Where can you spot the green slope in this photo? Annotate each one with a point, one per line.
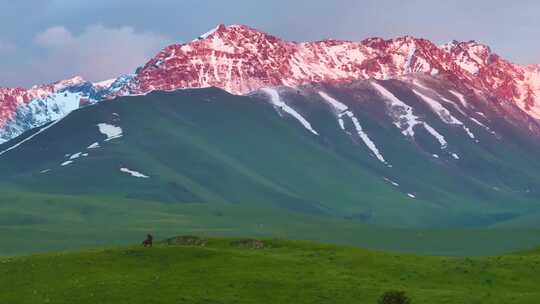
(45, 222)
(226, 165)
(223, 271)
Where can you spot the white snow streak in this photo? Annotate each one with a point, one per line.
(278, 103)
(94, 146)
(391, 182)
(68, 162)
(438, 109)
(335, 104)
(455, 105)
(482, 114)
(408, 61)
(403, 113)
(404, 118)
(210, 32)
(443, 113)
(460, 97)
(30, 137)
(437, 135)
(343, 110)
(483, 125)
(75, 156)
(133, 173)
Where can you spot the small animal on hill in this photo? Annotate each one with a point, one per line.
(148, 241)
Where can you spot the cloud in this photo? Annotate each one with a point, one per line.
(6, 47)
(96, 53)
(57, 36)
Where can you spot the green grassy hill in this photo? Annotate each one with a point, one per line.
(225, 165)
(240, 271)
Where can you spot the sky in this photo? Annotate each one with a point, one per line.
(42, 41)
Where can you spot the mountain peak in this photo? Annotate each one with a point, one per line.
(75, 80)
(471, 45)
(221, 27)
(221, 30)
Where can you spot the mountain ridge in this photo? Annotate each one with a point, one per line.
(470, 65)
(241, 59)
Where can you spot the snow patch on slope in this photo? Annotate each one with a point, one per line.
(483, 125)
(391, 182)
(342, 110)
(279, 104)
(443, 113)
(29, 137)
(404, 118)
(133, 173)
(442, 141)
(93, 146)
(66, 163)
(110, 131)
(455, 105)
(75, 156)
(460, 97)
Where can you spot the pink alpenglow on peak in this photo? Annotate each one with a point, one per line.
(240, 59)
(12, 98)
(22, 109)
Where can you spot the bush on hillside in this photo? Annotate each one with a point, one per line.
(394, 297)
(187, 240)
(249, 243)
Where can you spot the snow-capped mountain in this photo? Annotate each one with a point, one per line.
(409, 152)
(24, 109)
(397, 133)
(240, 60)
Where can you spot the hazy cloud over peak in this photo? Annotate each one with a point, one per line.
(98, 52)
(113, 37)
(57, 36)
